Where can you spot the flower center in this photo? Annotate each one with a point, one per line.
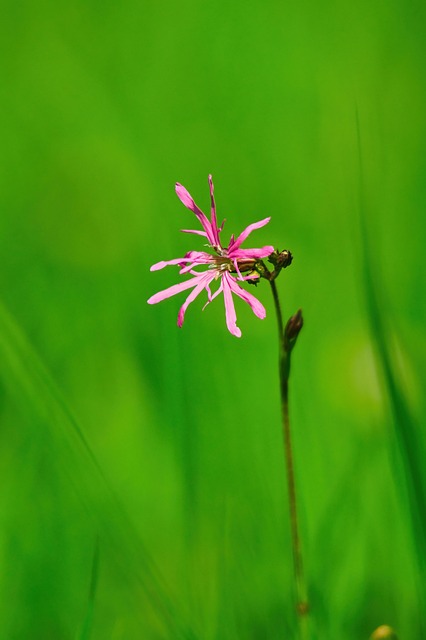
(223, 263)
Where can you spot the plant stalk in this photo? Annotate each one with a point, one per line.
(286, 342)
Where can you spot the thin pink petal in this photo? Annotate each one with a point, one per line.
(219, 290)
(203, 282)
(237, 269)
(198, 233)
(213, 218)
(166, 263)
(199, 257)
(187, 269)
(174, 289)
(231, 316)
(186, 199)
(257, 307)
(247, 231)
(192, 257)
(211, 296)
(248, 254)
(196, 258)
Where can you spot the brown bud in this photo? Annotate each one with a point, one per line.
(292, 330)
(285, 258)
(281, 259)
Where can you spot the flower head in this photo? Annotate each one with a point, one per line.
(226, 265)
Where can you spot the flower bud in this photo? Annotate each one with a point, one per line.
(281, 259)
(384, 632)
(292, 330)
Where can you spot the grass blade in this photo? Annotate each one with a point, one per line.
(28, 381)
(410, 451)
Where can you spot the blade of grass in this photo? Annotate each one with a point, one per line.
(88, 621)
(28, 382)
(409, 444)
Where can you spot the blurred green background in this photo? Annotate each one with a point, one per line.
(143, 487)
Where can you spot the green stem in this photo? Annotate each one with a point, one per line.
(279, 314)
(284, 371)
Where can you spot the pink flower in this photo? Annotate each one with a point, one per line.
(222, 266)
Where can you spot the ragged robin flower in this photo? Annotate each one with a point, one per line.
(226, 265)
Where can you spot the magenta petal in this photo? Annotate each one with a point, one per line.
(199, 257)
(219, 290)
(197, 233)
(210, 296)
(231, 316)
(237, 269)
(247, 231)
(166, 263)
(203, 283)
(248, 254)
(173, 290)
(187, 269)
(186, 199)
(213, 218)
(257, 307)
(196, 258)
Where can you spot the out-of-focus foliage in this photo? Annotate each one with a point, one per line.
(143, 488)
